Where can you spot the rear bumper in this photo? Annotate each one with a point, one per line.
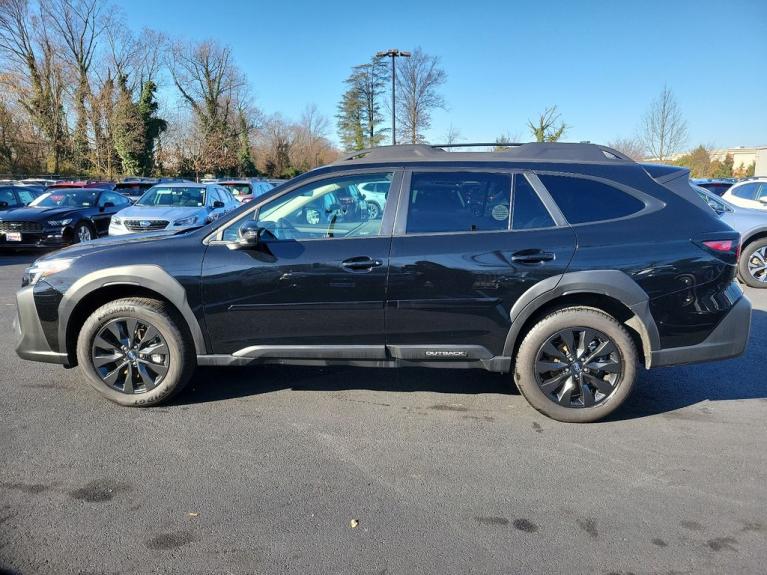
(728, 339)
(31, 341)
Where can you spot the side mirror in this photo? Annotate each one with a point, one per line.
(763, 199)
(250, 236)
(218, 204)
(3, 205)
(109, 205)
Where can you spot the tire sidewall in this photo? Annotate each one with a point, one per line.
(743, 272)
(76, 232)
(524, 371)
(176, 374)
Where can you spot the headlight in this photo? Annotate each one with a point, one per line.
(115, 220)
(59, 223)
(185, 221)
(45, 268)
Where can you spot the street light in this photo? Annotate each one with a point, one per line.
(393, 53)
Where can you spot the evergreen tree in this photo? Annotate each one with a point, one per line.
(246, 166)
(128, 130)
(153, 127)
(351, 131)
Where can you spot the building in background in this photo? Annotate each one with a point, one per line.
(743, 157)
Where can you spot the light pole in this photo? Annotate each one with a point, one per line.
(393, 53)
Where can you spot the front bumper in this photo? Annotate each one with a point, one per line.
(46, 239)
(729, 339)
(31, 341)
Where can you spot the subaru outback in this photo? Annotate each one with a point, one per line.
(566, 266)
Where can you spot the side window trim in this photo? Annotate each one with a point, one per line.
(548, 202)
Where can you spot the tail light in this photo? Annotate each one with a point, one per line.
(727, 249)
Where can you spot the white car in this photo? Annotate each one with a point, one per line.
(174, 206)
(375, 194)
(748, 194)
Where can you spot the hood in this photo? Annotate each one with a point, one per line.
(108, 242)
(160, 212)
(27, 214)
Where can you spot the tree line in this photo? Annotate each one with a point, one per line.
(80, 98)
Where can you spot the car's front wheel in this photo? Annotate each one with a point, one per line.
(135, 352)
(752, 266)
(83, 233)
(577, 364)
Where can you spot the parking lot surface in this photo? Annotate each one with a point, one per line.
(346, 470)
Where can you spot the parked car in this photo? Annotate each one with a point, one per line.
(175, 206)
(78, 184)
(41, 182)
(60, 217)
(565, 266)
(239, 188)
(260, 187)
(134, 188)
(716, 185)
(375, 195)
(752, 226)
(15, 196)
(751, 193)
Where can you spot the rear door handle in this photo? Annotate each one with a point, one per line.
(532, 257)
(361, 263)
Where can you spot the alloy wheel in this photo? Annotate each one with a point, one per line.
(373, 211)
(130, 355)
(84, 234)
(578, 367)
(757, 265)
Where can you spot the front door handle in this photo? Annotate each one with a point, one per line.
(531, 257)
(361, 263)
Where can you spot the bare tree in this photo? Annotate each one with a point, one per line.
(32, 71)
(453, 135)
(632, 147)
(418, 81)
(310, 142)
(78, 25)
(549, 127)
(664, 129)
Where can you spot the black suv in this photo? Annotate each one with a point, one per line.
(568, 265)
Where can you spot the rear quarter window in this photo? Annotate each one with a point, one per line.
(582, 200)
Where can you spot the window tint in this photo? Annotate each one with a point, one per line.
(582, 200)
(458, 202)
(330, 208)
(116, 199)
(7, 198)
(529, 211)
(746, 191)
(26, 196)
(762, 192)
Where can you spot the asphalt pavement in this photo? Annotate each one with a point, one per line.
(348, 470)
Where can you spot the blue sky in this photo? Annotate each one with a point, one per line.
(601, 63)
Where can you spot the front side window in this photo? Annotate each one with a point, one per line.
(444, 202)
(176, 197)
(330, 208)
(582, 200)
(25, 196)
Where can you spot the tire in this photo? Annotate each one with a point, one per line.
(754, 256)
(585, 402)
(81, 231)
(166, 366)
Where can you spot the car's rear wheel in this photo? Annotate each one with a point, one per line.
(752, 266)
(576, 365)
(374, 211)
(135, 352)
(83, 233)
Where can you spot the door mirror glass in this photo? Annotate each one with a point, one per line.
(251, 234)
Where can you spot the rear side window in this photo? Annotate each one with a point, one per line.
(582, 200)
(745, 192)
(528, 212)
(7, 198)
(458, 202)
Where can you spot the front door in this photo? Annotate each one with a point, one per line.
(315, 284)
(462, 254)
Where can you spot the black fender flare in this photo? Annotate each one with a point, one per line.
(148, 276)
(612, 283)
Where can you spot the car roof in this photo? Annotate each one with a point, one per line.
(534, 151)
(183, 185)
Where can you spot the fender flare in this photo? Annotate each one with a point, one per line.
(151, 277)
(612, 283)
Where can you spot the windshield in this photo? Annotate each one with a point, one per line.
(193, 197)
(238, 189)
(66, 199)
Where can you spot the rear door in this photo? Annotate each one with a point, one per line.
(466, 245)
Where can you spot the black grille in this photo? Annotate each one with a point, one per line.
(26, 227)
(135, 225)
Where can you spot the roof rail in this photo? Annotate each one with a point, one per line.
(534, 151)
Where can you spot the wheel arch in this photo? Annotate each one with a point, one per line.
(753, 236)
(612, 291)
(97, 288)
